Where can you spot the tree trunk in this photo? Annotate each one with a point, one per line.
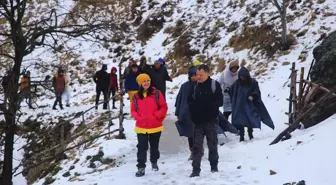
(283, 13)
(9, 147)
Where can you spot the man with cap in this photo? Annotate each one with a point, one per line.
(25, 86)
(184, 124)
(59, 83)
(102, 80)
(160, 76)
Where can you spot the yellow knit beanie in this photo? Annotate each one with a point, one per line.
(141, 78)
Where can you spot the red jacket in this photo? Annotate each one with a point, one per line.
(149, 118)
(113, 81)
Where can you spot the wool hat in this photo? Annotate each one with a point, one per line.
(161, 61)
(141, 78)
(196, 63)
(104, 67)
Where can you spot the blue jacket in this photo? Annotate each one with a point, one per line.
(130, 82)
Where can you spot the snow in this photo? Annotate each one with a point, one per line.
(291, 160)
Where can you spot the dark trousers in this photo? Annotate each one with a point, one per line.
(143, 140)
(105, 93)
(25, 94)
(58, 99)
(227, 114)
(209, 130)
(191, 143)
(242, 130)
(113, 92)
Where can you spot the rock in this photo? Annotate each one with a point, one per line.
(320, 1)
(301, 183)
(272, 172)
(323, 72)
(299, 142)
(66, 174)
(239, 167)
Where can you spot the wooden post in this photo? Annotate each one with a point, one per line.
(121, 110)
(299, 102)
(290, 98)
(83, 119)
(294, 102)
(62, 143)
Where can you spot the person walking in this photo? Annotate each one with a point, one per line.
(144, 67)
(248, 109)
(25, 89)
(131, 85)
(113, 85)
(149, 109)
(226, 79)
(59, 83)
(160, 76)
(102, 80)
(184, 124)
(204, 109)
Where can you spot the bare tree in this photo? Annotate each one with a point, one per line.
(21, 34)
(282, 9)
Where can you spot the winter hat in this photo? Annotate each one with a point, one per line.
(243, 72)
(234, 64)
(141, 78)
(114, 69)
(192, 71)
(196, 63)
(104, 67)
(161, 61)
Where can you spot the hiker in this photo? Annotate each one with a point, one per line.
(102, 80)
(113, 85)
(184, 124)
(204, 109)
(144, 67)
(149, 109)
(248, 110)
(5, 82)
(128, 68)
(226, 79)
(59, 84)
(131, 85)
(66, 92)
(159, 77)
(25, 91)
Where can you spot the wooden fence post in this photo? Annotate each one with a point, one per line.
(299, 102)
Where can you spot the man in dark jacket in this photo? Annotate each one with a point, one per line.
(159, 77)
(102, 80)
(204, 109)
(128, 69)
(144, 67)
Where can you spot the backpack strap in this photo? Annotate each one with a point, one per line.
(213, 85)
(157, 96)
(135, 103)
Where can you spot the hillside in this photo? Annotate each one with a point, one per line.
(214, 32)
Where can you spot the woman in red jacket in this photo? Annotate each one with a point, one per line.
(149, 109)
(113, 84)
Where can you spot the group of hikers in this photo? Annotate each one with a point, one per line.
(107, 83)
(197, 110)
(60, 84)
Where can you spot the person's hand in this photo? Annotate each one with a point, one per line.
(250, 98)
(171, 79)
(177, 117)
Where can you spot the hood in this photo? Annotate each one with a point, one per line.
(244, 72)
(113, 68)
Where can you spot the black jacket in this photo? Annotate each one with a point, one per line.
(5, 81)
(203, 103)
(159, 78)
(102, 79)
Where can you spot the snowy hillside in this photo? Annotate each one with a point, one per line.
(215, 32)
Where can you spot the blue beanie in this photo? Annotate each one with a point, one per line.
(161, 61)
(192, 71)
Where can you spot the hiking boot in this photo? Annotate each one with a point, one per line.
(155, 167)
(54, 108)
(241, 139)
(214, 168)
(195, 173)
(61, 107)
(114, 107)
(67, 105)
(250, 135)
(140, 172)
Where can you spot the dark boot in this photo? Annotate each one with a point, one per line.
(61, 106)
(241, 133)
(195, 173)
(140, 172)
(250, 133)
(155, 167)
(241, 139)
(214, 168)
